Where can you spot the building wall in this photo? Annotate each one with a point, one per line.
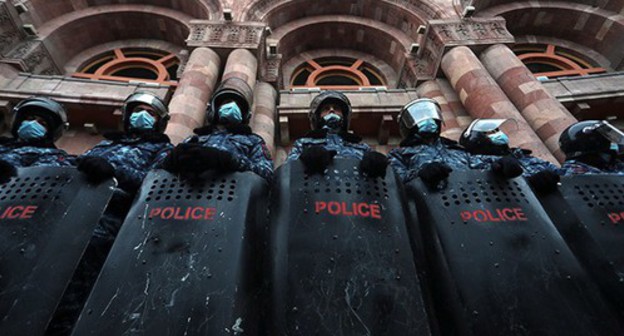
(431, 49)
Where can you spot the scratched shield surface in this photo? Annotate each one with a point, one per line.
(185, 261)
(589, 213)
(47, 216)
(499, 265)
(342, 263)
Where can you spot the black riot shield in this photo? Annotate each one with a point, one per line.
(341, 257)
(499, 266)
(589, 212)
(47, 216)
(185, 261)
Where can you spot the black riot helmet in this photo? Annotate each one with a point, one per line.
(149, 99)
(477, 138)
(328, 97)
(416, 111)
(49, 110)
(232, 89)
(590, 137)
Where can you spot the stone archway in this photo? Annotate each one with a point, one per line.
(42, 11)
(70, 34)
(596, 29)
(342, 32)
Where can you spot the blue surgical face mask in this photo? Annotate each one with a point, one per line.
(427, 126)
(332, 121)
(142, 120)
(230, 113)
(614, 147)
(31, 130)
(499, 138)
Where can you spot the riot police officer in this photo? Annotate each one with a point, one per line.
(130, 154)
(127, 156)
(423, 152)
(227, 143)
(489, 149)
(592, 147)
(36, 124)
(329, 116)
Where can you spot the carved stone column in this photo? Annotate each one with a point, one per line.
(463, 118)
(483, 98)
(188, 105)
(241, 64)
(264, 112)
(541, 110)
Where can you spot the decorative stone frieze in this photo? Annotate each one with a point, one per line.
(226, 35)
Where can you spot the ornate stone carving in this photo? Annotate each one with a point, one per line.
(32, 56)
(472, 31)
(270, 70)
(225, 35)
(9, 31)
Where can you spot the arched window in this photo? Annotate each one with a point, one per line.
(552, 61)
(337, 73)
(131, 64)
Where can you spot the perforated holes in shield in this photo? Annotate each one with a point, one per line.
(345, 181)
(170, 189)
(34, 187)
(482, 191)
(601, 194)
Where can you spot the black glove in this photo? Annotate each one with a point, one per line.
(7, 171)
(507, 167)
(225, 161)
(374, 164)
(544, 182)
(191, 159)
(96, 168)
(432, 173)
(316, 159)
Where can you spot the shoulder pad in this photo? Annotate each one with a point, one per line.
(316, 134)
(114, 136)
(6, 140)
(411, 141)
(155, 137)
(239, 129)
(206, 130)
(524, 151)
(448, 142)
(350, 137)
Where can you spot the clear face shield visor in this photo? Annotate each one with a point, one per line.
(420, 110)
(491, 125)
(611, 133)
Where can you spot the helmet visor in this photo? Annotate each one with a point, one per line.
(142, 98)
(489, 125)
(611, 133)
(419, 111)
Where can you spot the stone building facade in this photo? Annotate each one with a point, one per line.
(545, 64)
